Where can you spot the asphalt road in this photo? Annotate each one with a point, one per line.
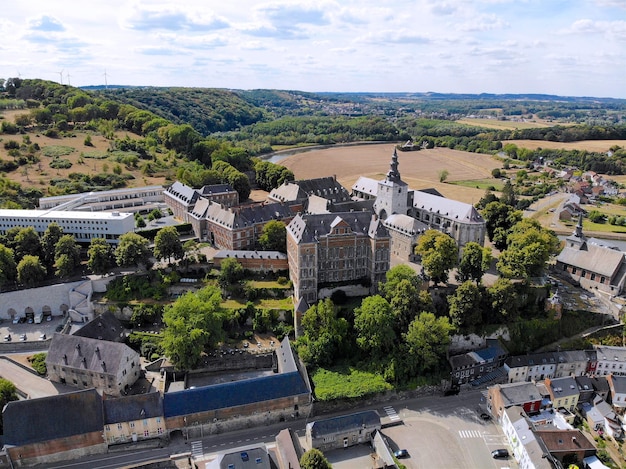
(438, 432)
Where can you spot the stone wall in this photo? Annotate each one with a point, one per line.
(469, 342)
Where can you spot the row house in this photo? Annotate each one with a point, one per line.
(336, 249)
(133, 418)
(477, 364)
(610, 360)
(342, 431)
(530, 367)
(529, 396)
(572, 363)
(564, 394)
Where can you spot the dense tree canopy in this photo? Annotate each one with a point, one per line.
(373, 322)
(8, 267)
(274, 236)
(475, 261)
(465, 305)
(132, 250)
(100, 256)
(66, 255)
(439, 254)
(167, 244)
(427, 341)
(314, 459)
(8, 393)
(192, 323)
(324, 334)
(30, 271)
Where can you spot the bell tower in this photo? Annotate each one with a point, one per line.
(392, 196)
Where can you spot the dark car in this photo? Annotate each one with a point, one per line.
(453, 391)
(500, 453)
(401, 453)
(485, 416)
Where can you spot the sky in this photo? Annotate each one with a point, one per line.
(562, 47)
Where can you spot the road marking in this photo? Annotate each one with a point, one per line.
(196, 449)
(391, 413)
(470, 434)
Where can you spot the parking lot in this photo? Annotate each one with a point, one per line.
(23, 331)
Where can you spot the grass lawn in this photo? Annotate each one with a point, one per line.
(497, 124)
(483, 184)
(268, 284)
(285, 303)
(346, 382)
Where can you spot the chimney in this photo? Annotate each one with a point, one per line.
(104, 366)
(78, 348)
(65, 358)
(98, 352)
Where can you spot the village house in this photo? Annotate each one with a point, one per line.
(133, 418)
(526, 395)
(610, 360)
(477, 364)
(342, 431)
(530, 367)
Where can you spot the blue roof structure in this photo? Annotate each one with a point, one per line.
(490, 353)
(236, 393)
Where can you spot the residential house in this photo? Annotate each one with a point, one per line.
(54, 428)
(476, 364)
(601, 386)
(602, 418)
(567, 446)
(530, 367)
(617, 384)
(134, 418)
(110, 367)
(519, 433)
(585, 389)
(342, 431)
(571, 363)
(526, 395)
(563, 393)
(610, 360)
(591, 265)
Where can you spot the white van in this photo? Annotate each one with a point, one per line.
(38, 317)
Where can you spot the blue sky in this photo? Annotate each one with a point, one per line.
(564, 47)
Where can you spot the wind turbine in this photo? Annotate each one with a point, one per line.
(106, 85)
(61, 75)
(68, 79)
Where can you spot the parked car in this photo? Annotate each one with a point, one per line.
(7, 337)
(16, 320)
(485, 416)
(453, 391)
(42, 337)
(500, 453)
(22, 336)
(401, 453)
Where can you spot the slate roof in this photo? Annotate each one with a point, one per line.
(232, 394)
(49, 418)
(607, 352)
(216, 189)
(619, 384)
(448, 208)
(405, 224)
(308, 228)
(289, 449)
(489, 354)
(584, 383)
(135, 407)
(600, 384)
(597, 259)
(571, 356)
(245, 458)
(240, 217)
(366, 185)
(564, 387)
(70, 350)
(325, 187)
(182, 192)
(224, 253)
(459, 361)
(519, 393)
(531, 359)
(200, 209)
(103, 327)
(343, 423)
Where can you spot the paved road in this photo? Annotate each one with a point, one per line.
(439, 432)
(29, 383)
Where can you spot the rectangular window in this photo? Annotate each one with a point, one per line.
(119, 426)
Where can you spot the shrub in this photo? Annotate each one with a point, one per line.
(61, 163)
(38, 362)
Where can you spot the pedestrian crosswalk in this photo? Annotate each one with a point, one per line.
(196, 449)
(470, 434)
(391, 413)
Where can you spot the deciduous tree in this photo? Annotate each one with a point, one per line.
(66, 255)
(231, 272)
(30, 271)
(324, 334)
(132, 250)
(8, 267)
(192, 323)
(373, 321)
(167, 244)
(100, 256)
(465, 305)
(475, 261)
(314, 459)
(439, 254)
(49, 241)
(8, 393)
(427, 341)
(274, 236)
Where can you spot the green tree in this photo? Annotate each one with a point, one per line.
(192, 323)
(475, 261)
(27, 242)
(504, 301)
(167, 244)
(231, 272)
(439, 254)
(427, 341)
(465, 305)
(66, 255)
(30, 271)
(323, 334)
(132, 250)
(373, 322)
(314, 459)
(100, 257)
(274, 236)
(394, 276)
(499, 218)
(8, 267)
(8, 393)
(508, 194)
(529, 246)
(49, 241)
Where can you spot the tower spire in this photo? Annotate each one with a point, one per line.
(394, 174)
(579, 226)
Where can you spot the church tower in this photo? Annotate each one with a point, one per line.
(392, 196)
